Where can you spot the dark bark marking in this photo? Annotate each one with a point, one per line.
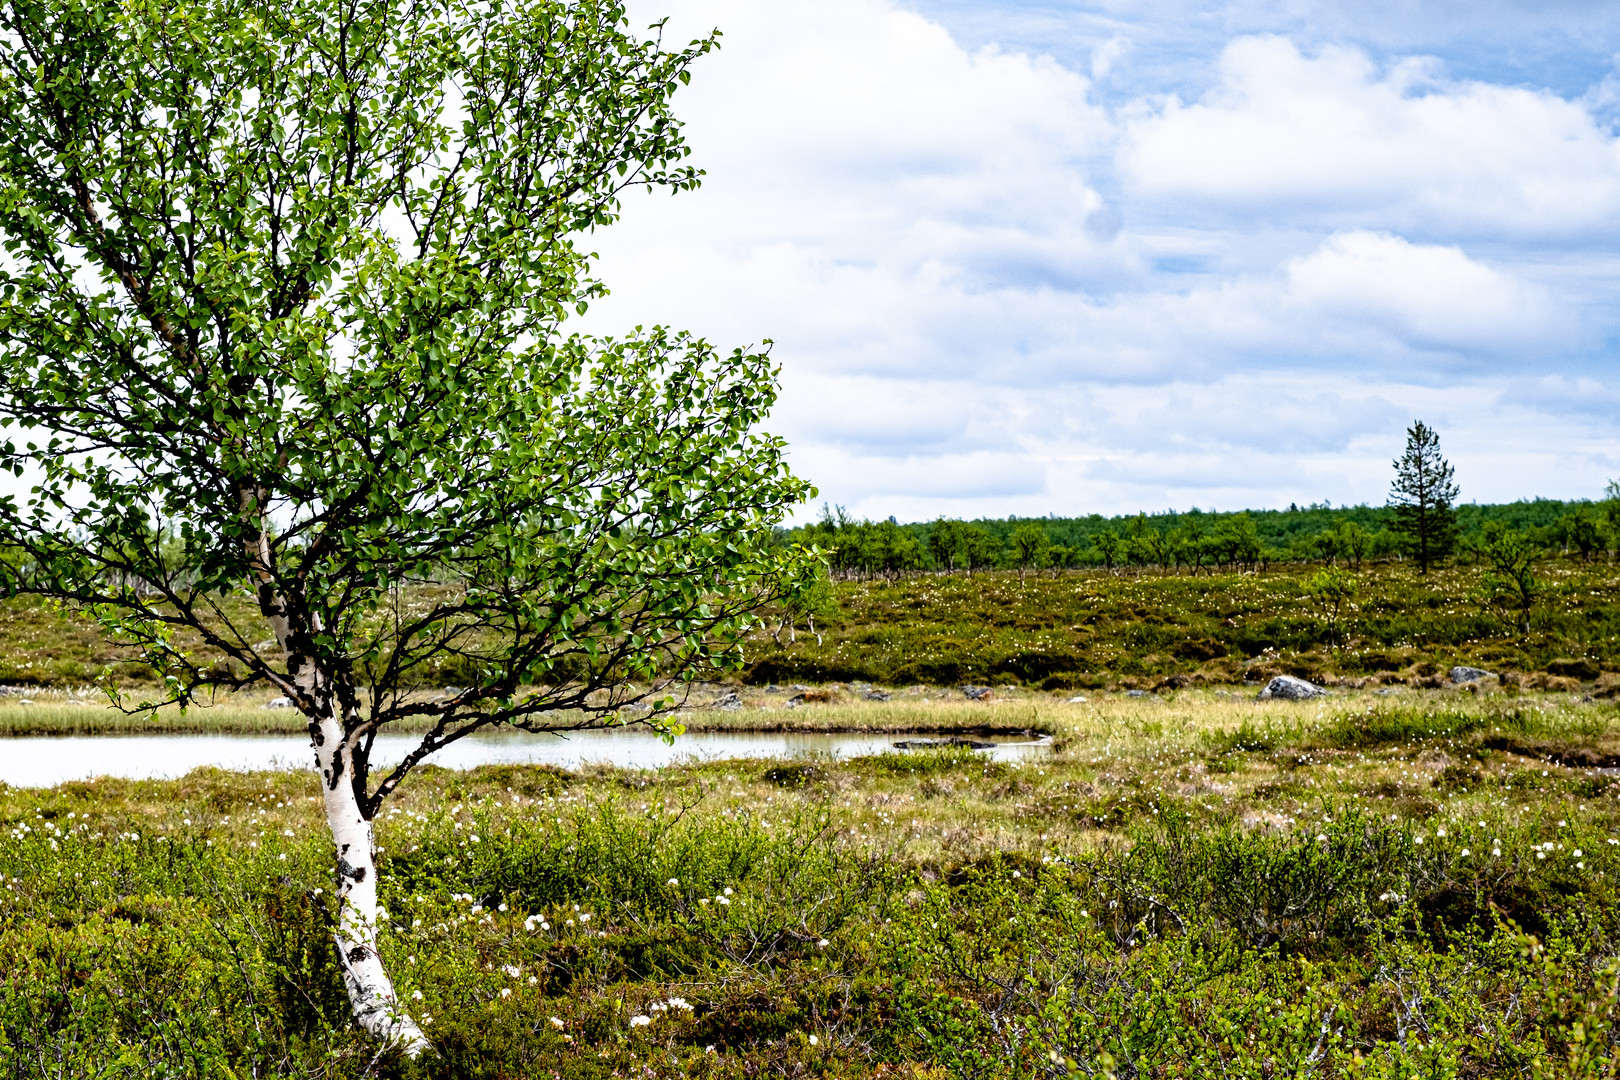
(357, 873)
(357, 954)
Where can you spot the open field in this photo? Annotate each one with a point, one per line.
(1093, 629)
(1076, 630)
(1418, 884)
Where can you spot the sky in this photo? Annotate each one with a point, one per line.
(1074, 258)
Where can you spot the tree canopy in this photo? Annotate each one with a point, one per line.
(282, 318)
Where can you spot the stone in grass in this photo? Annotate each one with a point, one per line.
(729, 701)
(1136, 693)
(279, 703)
(1462, 673)
(878, 695)
(1288, 688)
(977, 693)
(1078, 699)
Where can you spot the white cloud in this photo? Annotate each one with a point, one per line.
(991, 294)
(1422, 295)
(1332, 138)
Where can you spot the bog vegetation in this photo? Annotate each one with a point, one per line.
(1420, 884)
(1521, 596)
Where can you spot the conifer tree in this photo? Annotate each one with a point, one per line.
(1422, 497)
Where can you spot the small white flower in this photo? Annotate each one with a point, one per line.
(1576, 853)
(1417, 840)
(1439, 832)
(1016, 874)
(679, 1003)
(640, 1020)
(512, 970)
(556, 1022)
(674, 882)
(1465, 852)
(585, 918)
(1322, 837)
(506, 991)
(728, 892)
(545, 925)
(416, 995)
(533, 981)
(501, 908)
(814, 1041)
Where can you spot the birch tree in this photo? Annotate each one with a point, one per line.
(282, 341)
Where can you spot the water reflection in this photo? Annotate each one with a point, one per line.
(42, 762)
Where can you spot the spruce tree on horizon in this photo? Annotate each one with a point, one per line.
(1422, 497)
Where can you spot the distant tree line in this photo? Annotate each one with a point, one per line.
(1195, 541)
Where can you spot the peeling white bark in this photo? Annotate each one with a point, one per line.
(372, 998)
(371, 992)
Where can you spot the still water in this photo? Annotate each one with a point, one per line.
(42, 762)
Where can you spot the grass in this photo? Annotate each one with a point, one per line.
(1413, 884)
(1093, 629)
(1075, 630)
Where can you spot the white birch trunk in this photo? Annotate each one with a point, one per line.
(372, 998)
(371, 992)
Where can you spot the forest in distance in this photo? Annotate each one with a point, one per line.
(1189, 540)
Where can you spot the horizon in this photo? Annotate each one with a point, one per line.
(1316, 507)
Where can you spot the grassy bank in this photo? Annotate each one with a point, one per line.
(1078, 630)
(1092, 629)
(1377, 886)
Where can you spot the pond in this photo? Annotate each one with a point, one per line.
(45, 761)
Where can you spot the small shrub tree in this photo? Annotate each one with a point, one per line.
(1510, 585)
(1583, 530)
(1354, 542)
(1422, 496)
(1333, 589)
(1109, 544)
(1030, 547)
(947, 543)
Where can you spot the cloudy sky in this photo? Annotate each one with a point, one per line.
(1116, 255)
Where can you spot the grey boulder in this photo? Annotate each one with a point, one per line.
(1288, 688)
(1462, 673)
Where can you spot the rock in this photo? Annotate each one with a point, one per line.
(1078, 699)
(1288, 688)
(931, 744)
(279, 703)
(797, 686)
(773, 689)
(1136, 693)
(728, 702)
(1462, 673)
(794, 702)
(878, 695)
(977, 693)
